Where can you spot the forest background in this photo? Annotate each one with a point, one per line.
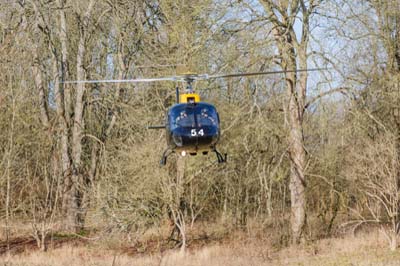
(310, 154)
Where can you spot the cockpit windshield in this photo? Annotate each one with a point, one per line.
(207, 117)
(193, 116)
(185, 118)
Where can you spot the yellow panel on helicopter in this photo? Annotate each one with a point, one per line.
(189, 98)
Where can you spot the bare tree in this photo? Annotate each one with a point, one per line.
(374, 174)
(292, 46)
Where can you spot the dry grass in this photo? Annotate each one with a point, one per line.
(366, 249)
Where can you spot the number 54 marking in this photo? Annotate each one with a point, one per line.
(195, 133)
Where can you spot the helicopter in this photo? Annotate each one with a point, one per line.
(191, 126)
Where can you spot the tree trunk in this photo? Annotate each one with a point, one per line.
(64, 61)
(44, 115)
(63, 132)
(75, 214)
(297, 156)
(180, 175)
(293, 52)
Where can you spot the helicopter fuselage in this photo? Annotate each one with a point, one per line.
(192, 127)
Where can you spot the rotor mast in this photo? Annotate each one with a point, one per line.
(189, 84)
(189, 96)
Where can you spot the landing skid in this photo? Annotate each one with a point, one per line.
(165, 155)
(221, 158)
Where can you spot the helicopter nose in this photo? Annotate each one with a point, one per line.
(208, 139)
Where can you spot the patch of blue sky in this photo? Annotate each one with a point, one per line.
(346, 34)
(251, 14)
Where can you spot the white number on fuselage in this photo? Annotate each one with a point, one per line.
(195, 133)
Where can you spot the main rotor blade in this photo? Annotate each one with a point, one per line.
(189, 77)
(120, 80)
(261, 73)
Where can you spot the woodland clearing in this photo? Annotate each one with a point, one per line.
(364, 248)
